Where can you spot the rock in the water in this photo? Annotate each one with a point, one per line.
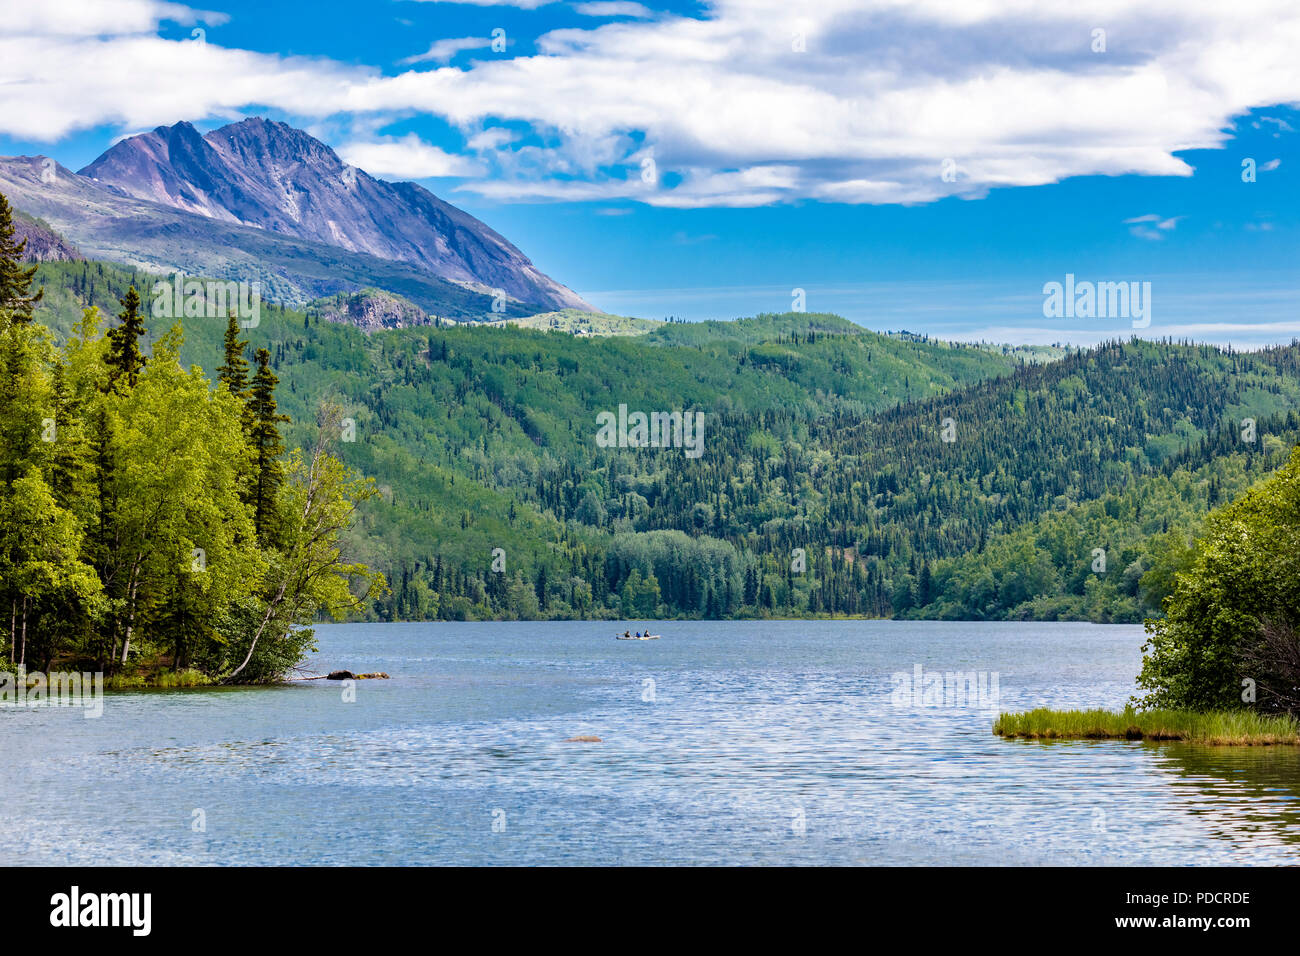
(348, 675)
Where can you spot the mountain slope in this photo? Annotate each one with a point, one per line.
(43, 244)
(819, 435)
(269, 175)
(105, 223)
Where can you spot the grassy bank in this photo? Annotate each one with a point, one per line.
(183, 678)
(1232, 727)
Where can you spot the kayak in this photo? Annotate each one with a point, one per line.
(647, 637)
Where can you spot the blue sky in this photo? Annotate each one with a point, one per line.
(705, 160)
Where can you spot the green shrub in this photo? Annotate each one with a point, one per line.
(1212, 649)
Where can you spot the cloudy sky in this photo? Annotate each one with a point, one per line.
(924, 165)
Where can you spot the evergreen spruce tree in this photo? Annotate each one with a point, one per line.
(268, 446)
(71, 465)
(233, 373)
(542, 588)
(124, 356)
(15, 279)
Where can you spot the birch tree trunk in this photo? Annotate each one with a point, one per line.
(130, 620)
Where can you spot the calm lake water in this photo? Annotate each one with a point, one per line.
(722, 743)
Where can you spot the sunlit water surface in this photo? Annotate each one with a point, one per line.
(722, 743)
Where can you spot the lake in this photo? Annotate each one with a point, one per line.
(721, 743)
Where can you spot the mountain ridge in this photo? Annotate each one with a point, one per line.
(272, 176)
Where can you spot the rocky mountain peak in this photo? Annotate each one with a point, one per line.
(267, 174)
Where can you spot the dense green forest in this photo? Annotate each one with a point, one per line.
(843, 472)
(150, 520)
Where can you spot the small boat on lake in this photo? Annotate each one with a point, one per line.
(632, 637)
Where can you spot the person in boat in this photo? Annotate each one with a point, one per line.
(638, 633)
(627, 633)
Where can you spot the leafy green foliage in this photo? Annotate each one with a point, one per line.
(130, 494)
(1212, 649)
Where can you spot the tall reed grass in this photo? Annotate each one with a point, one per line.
(1243, 727)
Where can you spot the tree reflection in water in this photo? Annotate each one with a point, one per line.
(1249, 796)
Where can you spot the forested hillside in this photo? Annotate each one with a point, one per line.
(842, 471)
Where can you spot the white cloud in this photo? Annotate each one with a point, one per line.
(89, 18)
(614, 8)
(520, 4)
(553, 190)
(879, 97)
(489, 139)
(407, 158)
(1152, 226)
(1282, 125)
(52, 85)
(441, 51)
